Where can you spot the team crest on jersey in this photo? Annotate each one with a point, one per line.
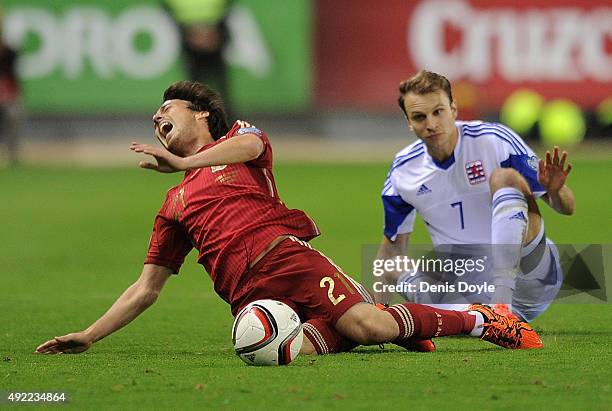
(475, 172)
(533, 162)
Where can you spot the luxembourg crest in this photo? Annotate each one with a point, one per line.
(475, 172)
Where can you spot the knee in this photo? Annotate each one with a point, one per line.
(508, 177)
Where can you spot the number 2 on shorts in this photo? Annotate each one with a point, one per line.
(330, 291)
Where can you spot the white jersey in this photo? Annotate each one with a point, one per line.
(454, 197)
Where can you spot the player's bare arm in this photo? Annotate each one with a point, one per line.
(134, 300)
(390, 249)
(239, 149)
(552, 176)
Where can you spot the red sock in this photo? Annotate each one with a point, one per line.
(418, 321)
(325, 338)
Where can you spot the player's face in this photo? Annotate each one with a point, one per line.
(179, 128)
(432, 118)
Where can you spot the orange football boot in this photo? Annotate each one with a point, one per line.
(505, 310)
(506, 332)
(419, 345)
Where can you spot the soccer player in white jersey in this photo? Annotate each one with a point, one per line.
(475, 183)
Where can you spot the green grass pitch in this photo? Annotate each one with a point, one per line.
(74, 239)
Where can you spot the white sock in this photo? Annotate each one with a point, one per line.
(452, 307)
(478, 327)
(508, 227)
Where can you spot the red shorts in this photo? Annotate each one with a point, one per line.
(304, 279)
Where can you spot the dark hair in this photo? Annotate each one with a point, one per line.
(424, 82)
(201, 98)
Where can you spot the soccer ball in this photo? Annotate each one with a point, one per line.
(267, 332)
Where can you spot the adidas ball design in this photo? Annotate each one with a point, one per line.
(267, 332)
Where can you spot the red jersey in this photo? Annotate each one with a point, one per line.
(229, 213)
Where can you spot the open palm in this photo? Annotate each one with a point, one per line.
(552, 172)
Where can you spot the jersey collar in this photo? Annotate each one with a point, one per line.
(445, 165)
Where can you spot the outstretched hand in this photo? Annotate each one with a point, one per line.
(166, 161)
(68, 344)
(552, 172)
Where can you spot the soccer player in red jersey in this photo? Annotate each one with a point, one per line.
(253, 247)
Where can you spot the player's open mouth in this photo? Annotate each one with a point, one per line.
(165, 128)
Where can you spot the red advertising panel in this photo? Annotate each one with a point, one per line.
(486, 48)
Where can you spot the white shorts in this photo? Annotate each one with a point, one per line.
(537, 284)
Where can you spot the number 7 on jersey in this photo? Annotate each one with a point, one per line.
(460, 205)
